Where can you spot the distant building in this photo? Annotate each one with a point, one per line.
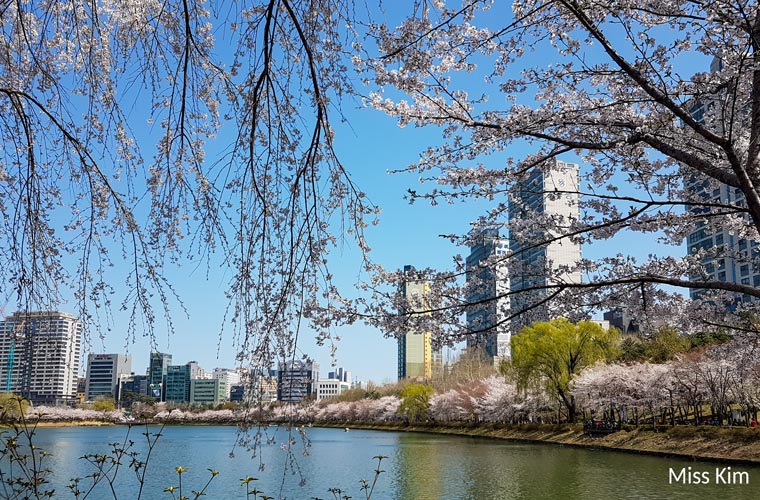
(104, 373)
(39, 356)
(237, 393)
(296, 380)
(621, 320)
(541, 207)
(178, 380)
(487, 290)
(157, 370)
(603, 323)
(81, 386)
(207, 391)
(132, 388)
(340, 374)
(728, 256)
(416, 357)
(266, 390)
(330, 388)
(230, 377)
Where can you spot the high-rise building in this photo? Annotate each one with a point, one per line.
(416, 357)
(340, 374)
(178, 381)
(157, 370)
(39, 356)
(487, 291)
(728, 256)
(296, 380)
(541, 207)
(105, 373)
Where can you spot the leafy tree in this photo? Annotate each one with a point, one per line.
(12, 406)
(557, 351)
(128, 398)
(104, 405)
(415, 401)
(707, 338)
(632, 349)
(665, 344)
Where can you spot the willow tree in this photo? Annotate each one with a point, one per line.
(658, 100)
(555, 352)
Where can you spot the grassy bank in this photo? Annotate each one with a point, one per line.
(705, 443)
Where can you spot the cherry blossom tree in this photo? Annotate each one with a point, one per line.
(656, 100)
(632, 390)
(625, 88)
(159, 133)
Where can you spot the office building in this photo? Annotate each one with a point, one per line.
(133, 388)
(416, 357)
(340, 374)
(620, 319)
(487, 291)
(178, 380)
(157, 370)
(542, 207)
(211, 392)
(230, 378)
(296, 380)
(330, 388)
(39, 356)
(104, 375)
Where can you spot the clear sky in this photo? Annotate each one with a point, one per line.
(369, 145)
(407, 234)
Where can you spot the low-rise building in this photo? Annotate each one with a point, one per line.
(330, 388)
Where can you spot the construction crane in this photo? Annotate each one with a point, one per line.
(11, 359)
(12, 356)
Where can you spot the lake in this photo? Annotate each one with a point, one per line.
(418, 467)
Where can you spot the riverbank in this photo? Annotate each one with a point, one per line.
(698, 443)
(727, 444)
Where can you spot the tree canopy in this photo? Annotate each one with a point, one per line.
(625, 88)
(656, 101)
(555, 352)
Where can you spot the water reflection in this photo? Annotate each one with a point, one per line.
(419, 467)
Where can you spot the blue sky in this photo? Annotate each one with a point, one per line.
(369, 145)
(407, 234)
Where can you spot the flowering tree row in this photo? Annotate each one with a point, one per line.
(724, 379)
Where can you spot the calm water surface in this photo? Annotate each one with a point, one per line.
(418, 467)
